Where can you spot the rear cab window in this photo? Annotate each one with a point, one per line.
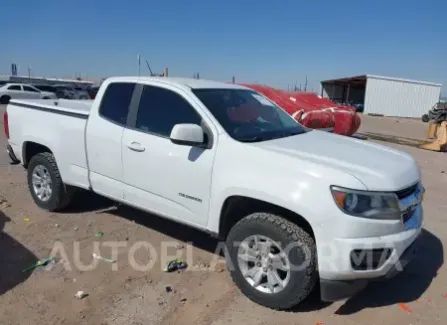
(115, 102)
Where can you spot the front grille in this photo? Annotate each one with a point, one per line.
(407, 191)
(407, 216)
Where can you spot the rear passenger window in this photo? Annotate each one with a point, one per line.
(160, 109)
(115, 102)
(15, 87)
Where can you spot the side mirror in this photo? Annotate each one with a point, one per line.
(187, 135)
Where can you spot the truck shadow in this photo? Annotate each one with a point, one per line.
(170, 228)
(199, 239)
(14, 257)
(406, 287)
(86, 201)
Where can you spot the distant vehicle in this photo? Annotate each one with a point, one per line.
(82, 92)
(49, 88)
(22, 91)
(92, 91)
(437, 114)
(71, 92)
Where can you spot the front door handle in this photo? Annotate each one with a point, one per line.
(135, 146)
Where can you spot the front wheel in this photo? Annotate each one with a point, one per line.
(45, 183)
(272, 260)
(425, 118)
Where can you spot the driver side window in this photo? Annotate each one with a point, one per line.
(160, 109)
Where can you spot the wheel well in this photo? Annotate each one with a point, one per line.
(237, 207)
(30, 149)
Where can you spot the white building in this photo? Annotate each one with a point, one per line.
(384, 95)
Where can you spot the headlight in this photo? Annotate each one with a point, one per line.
(373, 205)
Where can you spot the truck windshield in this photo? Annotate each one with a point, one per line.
(248, 116)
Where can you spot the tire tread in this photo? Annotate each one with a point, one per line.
(294, 233)
(62, 194)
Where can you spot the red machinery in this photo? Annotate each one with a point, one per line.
(313, 111)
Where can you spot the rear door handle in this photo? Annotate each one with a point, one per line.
(135, 146)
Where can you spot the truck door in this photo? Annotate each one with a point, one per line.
(103, 137)
(160, 176)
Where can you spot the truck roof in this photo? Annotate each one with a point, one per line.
(181, 82)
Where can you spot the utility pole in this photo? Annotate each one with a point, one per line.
(29, 74)
(234, 79)
(139, 65)
(149, 67)
(305, 85)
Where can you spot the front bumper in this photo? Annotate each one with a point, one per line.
(333, 290)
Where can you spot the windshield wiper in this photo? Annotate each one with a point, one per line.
(252, 139)
(291, 133)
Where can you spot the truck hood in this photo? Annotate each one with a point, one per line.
(378, 167)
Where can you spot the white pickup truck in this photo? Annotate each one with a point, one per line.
(295, 206)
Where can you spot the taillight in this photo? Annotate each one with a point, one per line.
(6, 124)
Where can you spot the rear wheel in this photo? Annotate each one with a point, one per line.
(45, 183)
(5, 99)
(425, 118)
(272, 260)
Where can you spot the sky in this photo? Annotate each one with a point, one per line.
(277, 43)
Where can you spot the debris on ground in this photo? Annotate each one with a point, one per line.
(99, 234)
(177, 264)
(81, 294)
(183, 300)
(404, 307)
(202, 265)
(168, 289)
(4, 203)
(39, 264)
(56, 225)
(27, 219)
(75, 228)
(99, 257)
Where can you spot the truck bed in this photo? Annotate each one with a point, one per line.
(57, 124)
(81, 107)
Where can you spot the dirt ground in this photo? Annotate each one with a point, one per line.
(119, 294)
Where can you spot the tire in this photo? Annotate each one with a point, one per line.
(301, 282)
(5, 99)
(425, 118)
(60, 194)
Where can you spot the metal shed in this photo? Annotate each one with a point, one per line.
(383, 95)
